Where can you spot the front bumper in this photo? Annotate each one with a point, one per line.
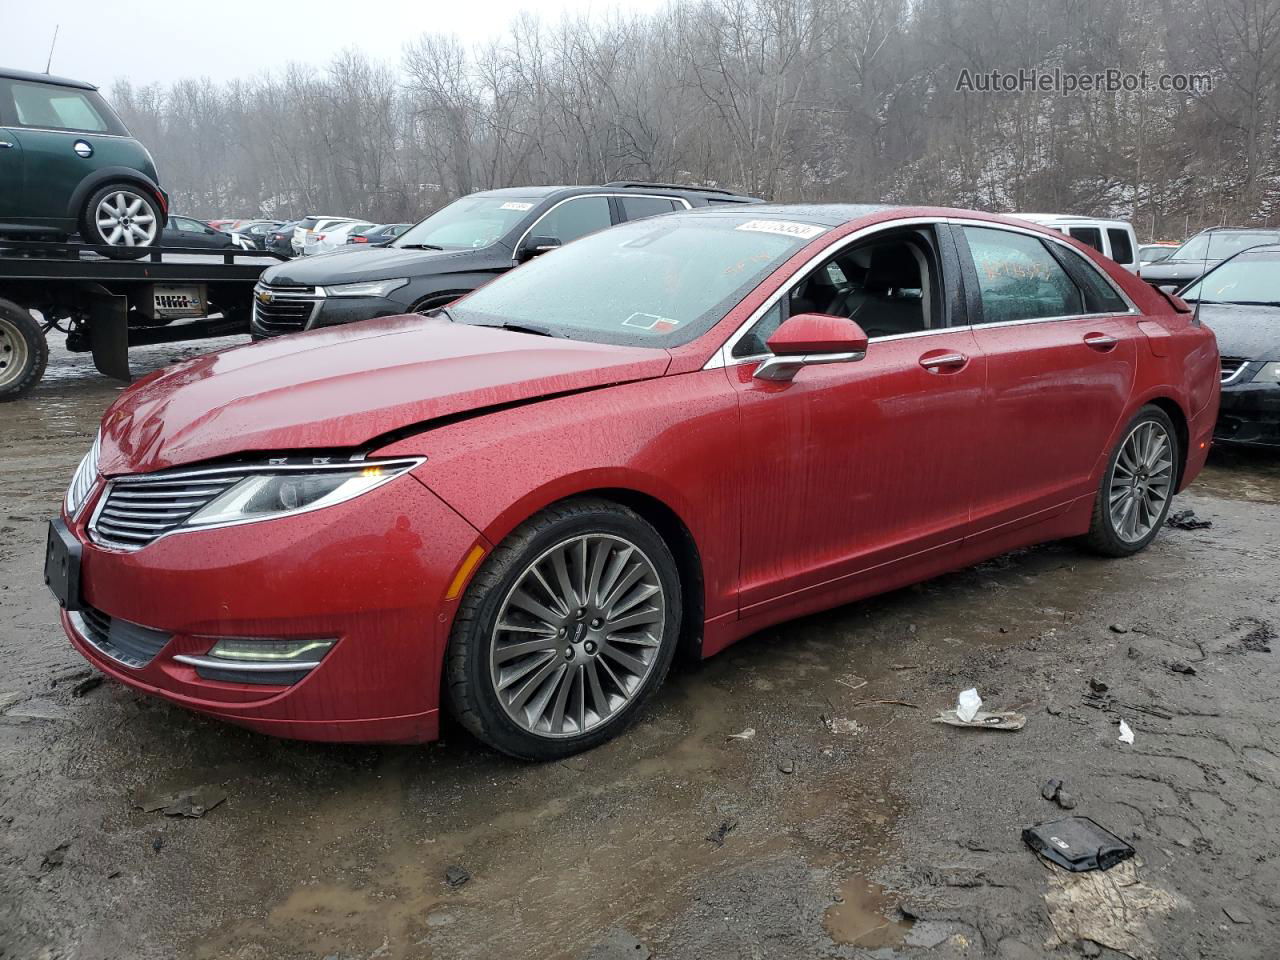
(1249, 414)
(372, 573)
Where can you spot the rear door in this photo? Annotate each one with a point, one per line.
(1123, 252)
(1060, 346)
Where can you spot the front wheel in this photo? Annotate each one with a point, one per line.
(122, 216)
(568, 628)
(1137, 486)
(24, 352)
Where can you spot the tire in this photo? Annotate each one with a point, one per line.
(581, 661)
(1152, 484)
(137, 225)
(24, 352)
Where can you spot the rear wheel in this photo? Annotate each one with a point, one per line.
(23, 351)
(1137, 486)
(565, 632)
(123, 216)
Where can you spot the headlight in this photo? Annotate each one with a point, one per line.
(271, 493)
(1269, 373)
(82, 480)
(367, 288)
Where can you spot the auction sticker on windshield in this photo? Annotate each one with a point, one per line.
(515, 205)
(785, 228)
(651, 321)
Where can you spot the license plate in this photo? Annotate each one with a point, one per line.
(62, 565)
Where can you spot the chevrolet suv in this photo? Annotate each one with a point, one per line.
(455, 250)
(68, 165)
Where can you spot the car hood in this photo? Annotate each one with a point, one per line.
(1246, 332)
(1178, 271)
(378, 263)
(342, 387)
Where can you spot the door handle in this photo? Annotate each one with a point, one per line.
(933, 362)
(5, 144)
(1100, 341)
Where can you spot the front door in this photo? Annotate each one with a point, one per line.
(11, 175)
(851, 468)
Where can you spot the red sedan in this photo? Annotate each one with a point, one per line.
(669, 434)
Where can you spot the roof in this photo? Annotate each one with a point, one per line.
(538, 193)
(1275, 230)
(824, 214)
(8, 73)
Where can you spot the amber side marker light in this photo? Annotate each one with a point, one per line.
(464, 571)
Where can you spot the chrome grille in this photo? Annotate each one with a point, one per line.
(287, 307)
(1232, 367)
(137, 510)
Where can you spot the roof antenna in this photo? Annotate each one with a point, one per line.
(48, 63)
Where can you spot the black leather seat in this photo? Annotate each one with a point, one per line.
(891, 299)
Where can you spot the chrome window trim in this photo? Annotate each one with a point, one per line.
(723, 357)
(71, 131)
(584, 196)
(142, 479)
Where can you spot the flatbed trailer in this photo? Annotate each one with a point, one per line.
(105, 304)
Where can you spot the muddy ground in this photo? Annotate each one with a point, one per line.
(889, 837)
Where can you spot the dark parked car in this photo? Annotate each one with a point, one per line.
(1206, 249)
(280, 240)
(379, 236)
(68, 165)
(1240, 302)
(188, 232)
(455, 250)
(256, 232)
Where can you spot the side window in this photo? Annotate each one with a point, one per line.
(573, 219)
(1121, 248)
(1099, 295)
(1089, 236)
(754, 343)
(889, 285)
(55, 108)
(1018, 279)
(182, 223)
(637, 208)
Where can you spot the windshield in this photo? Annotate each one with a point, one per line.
(657, 282)
(1218, 245)
(1249, 278)
(467, 223)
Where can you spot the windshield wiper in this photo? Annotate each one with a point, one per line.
(418, 246)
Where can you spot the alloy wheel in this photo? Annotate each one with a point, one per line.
(1141, 481)
(13, 354)
(125, 219)
(577, 635)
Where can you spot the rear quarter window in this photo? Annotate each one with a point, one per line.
(1121, 247)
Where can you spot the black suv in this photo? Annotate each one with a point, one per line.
(455, 250)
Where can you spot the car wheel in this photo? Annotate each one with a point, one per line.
(1137, 486)
(23, 351)
(122, 216)
(566, 630)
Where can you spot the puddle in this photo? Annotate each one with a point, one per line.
(868, 917)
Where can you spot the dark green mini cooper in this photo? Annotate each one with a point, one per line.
(68, 165)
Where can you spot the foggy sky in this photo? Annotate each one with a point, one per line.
(165, 40)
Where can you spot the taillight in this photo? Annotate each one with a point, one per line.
(360, 240)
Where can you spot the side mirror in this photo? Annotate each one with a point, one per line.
(808, 339)
(536, 245)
